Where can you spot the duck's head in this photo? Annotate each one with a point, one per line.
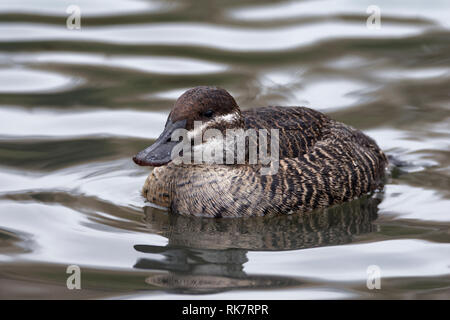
(214, 107)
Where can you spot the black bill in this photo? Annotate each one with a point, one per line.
(159, 153)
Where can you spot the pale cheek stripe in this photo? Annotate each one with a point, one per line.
(228, 118)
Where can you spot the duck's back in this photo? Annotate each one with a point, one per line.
(299, 127)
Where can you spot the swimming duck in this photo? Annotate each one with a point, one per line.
(321, 163)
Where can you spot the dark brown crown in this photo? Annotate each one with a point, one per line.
(201, 104)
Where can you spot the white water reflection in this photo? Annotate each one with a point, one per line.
(349, 62)
(436, 11)
(153, 64)
(413, 74)
(407, 142)
(168, 95)
(312, 293)
(40, 122)
(281, 78)
(88, 7)
(301, 89)
(45, 223)
(117, 182)
(329, 94)
(195, 34)
(406, 202)
(18, 80)
(350, 262)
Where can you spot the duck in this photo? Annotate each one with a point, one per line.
(319, 161)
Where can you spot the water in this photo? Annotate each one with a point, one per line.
(76, 105)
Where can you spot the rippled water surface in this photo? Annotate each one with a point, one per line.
(75, 105)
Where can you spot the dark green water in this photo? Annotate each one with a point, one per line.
(76, 105)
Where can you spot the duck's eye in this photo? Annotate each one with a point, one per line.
(208, 113)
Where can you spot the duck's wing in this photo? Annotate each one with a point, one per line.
(299, 128)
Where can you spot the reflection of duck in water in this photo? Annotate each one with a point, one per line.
(322, 162)
(202, 270)
(205, 255)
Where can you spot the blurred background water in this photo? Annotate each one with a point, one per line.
(76, 105)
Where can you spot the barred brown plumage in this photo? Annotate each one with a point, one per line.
(322, 162)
